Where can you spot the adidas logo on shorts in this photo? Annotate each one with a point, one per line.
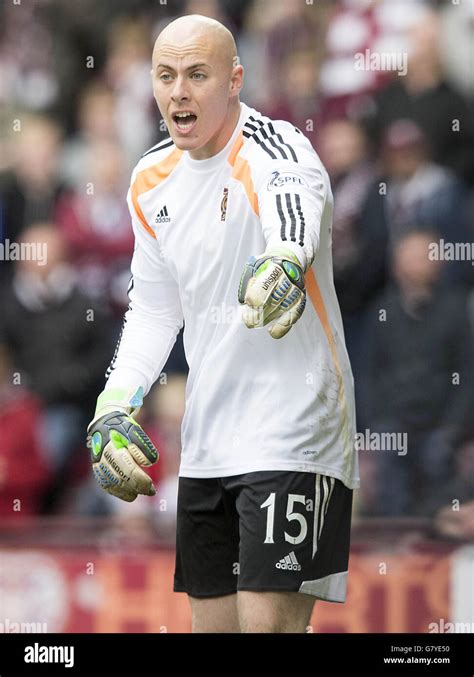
(290, 563)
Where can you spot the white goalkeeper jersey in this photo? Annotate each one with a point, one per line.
(252, 402)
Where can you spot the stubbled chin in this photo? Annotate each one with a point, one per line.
(185, 143)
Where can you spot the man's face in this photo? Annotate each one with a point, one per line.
(412, 264)
(192, 88)
(402, 163)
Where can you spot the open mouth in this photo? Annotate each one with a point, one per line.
(184, 121)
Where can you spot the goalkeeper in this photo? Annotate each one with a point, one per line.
(232, 223)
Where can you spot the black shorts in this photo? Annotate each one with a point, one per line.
(268, 530)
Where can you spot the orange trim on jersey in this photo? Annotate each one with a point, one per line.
(241, 172)
(149, 178)
(314, 292)
(312, 287)
(238, 143)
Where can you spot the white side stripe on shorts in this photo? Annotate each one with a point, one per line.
(320, 508)
(332, 588)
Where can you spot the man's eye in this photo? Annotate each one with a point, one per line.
(165, 77)
(198, 76)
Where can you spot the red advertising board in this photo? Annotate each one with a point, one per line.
(91, 591)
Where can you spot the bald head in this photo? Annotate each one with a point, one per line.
(197, 80)
(196, 33)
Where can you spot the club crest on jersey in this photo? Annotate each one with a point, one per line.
(224, 204)
(285, 179)
(162, 216)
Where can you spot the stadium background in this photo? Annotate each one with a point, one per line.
(76, 112)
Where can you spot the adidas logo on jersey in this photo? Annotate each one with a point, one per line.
(290, 563)
(162, 216)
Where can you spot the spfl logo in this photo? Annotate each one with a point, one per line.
(284, 179)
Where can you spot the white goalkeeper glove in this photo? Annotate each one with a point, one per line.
(119, 446)
(272, 289)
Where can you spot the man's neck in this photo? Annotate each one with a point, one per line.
(415, 298)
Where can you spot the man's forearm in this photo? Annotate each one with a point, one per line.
(144, 346)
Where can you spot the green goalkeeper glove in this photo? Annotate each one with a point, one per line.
(272, 289)
(119, 446)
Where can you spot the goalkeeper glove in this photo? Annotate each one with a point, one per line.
(272, 288)
(119, 446)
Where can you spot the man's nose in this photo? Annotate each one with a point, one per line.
(180, 90)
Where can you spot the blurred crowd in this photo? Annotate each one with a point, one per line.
(77, 111)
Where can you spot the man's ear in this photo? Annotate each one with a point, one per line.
(237, 79)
